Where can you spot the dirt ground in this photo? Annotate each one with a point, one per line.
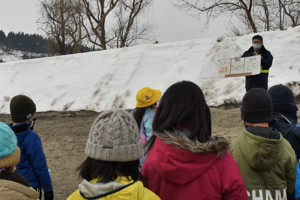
(64, 135)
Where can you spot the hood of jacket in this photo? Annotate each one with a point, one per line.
(260, 153)
(289, 131)
(280, 124)
(181, 160)
(122, 187)
(11, 190)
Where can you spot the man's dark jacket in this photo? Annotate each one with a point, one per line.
(259, 80)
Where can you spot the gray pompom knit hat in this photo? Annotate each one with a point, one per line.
(114, 136)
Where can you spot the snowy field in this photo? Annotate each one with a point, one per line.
(110, 79)
(15, 55)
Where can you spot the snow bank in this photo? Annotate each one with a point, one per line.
(110, 79)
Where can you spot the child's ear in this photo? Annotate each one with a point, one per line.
(154, 105)
(30, 119)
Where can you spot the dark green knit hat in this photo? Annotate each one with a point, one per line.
(21, 108)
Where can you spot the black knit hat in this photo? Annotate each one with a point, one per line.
(284, 102)
(21, 108)
(257, 106)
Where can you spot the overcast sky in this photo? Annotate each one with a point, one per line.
(171, 23)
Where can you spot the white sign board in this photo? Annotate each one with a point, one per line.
(245, 66)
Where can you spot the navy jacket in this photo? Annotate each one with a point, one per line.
(32, 164)
(292, 134)
(259, 80)
(289, 131)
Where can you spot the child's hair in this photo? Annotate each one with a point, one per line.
(12, 176)
(183, 103)
(139, 114)
(108, 171)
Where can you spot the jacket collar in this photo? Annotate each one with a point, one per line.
(19, 128)
(180, 160)
(178, 139)
(96, 190)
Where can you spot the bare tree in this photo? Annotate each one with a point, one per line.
(103, 23)
(97, 12)
(115, 23)
(251, 15)
(77, 33)
(263, 14)
(292, 10)
(214, 8)
(129, 28)
(62, 23)
(277, 14)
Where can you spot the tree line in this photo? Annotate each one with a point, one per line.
(29, 43)
(23, 42)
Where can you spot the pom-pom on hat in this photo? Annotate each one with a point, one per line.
(21, 108)
(114, 137)
(9, 151)
(146, 97)
(256, 106)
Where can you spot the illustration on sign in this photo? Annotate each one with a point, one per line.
(237, 66)
(245, 66)
(224, 66)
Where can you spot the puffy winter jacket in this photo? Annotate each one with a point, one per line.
(291, 132)
(10, 190)
(146, 126)
(121, 188)
(32, 164)
(297, 188)
(178, 168)
(268, 166)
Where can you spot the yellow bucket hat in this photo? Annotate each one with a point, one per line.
(146, 97)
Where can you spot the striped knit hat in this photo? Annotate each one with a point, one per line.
(114, 136)
(9, 151)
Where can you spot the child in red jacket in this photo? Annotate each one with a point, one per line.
(183, 161)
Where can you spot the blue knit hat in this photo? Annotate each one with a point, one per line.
(9, 151)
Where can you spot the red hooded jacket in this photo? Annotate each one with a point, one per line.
(187, 170)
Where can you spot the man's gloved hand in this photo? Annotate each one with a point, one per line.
(49, 195)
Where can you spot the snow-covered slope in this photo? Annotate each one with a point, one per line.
(15, 55)
(109, 79)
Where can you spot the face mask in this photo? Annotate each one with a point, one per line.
(256, 46)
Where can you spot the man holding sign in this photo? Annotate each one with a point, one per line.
(259, 80)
